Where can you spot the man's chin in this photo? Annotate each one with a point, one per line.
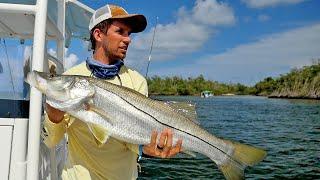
(122, 56)
(119, 56)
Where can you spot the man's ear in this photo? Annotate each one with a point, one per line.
(97, 34)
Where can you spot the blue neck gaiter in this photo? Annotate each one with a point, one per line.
(104, 71)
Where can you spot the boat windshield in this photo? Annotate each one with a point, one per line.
(14, 92)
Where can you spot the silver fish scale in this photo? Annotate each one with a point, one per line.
(133, 117)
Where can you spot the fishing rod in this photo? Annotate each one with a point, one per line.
(15, 105)
(7, 57)
(149, 58)
(1, 68)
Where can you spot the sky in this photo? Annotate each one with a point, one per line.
(229, 41)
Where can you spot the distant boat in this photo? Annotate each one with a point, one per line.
(206, 94)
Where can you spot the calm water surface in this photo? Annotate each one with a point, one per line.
(289, 130)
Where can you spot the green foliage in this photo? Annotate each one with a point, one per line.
(265, 87)
(192, 86)
(298, 83)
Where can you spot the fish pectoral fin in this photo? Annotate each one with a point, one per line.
(103, 114)
(100, 133)
(99, 130)
(190, 153)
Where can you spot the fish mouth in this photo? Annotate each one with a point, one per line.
(34, 80)
(31, 79)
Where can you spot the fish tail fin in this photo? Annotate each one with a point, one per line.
(247, 155)
(242, 156)
(232, 170)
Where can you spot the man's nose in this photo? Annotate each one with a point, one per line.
(127, 40)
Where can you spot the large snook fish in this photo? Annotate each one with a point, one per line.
(131, 117)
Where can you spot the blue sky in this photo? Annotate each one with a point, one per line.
(228, 41)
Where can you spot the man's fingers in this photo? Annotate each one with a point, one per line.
(168, 145)
(164, 147)
(176, 149)
(163, 138)
(153, 145)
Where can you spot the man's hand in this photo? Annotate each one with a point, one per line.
(55, 115)
(164, 148)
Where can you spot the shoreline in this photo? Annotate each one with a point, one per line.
(289, 97)
(271, 97)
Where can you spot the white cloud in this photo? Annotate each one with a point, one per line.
(248, 63)
(213, 13)
(70, 59)
(263, 17)
(53, 52)
(268, 3)
(86, 45)
(17, 56)
(188, 33)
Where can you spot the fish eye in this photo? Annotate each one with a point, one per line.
(51, 76)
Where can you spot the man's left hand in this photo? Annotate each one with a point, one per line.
(164, 148)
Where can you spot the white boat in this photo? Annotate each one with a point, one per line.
(37, 21)
(206, 94)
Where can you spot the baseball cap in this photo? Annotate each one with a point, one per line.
(137, 21)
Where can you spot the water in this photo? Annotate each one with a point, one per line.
(289, 130)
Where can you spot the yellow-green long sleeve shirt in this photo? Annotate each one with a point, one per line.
(91, 153)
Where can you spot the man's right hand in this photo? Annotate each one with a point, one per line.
(55, 115)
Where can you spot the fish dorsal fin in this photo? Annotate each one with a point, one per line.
(187, 109)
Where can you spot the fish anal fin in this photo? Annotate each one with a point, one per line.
(190, 153)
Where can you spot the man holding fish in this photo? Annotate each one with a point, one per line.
(109, 114)
(93, 154)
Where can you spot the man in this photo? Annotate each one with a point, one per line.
(92, 153)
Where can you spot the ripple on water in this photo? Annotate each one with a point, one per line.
(288, 130)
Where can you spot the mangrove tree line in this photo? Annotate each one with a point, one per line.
(298, 83)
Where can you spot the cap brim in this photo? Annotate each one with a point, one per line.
(137, 22)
